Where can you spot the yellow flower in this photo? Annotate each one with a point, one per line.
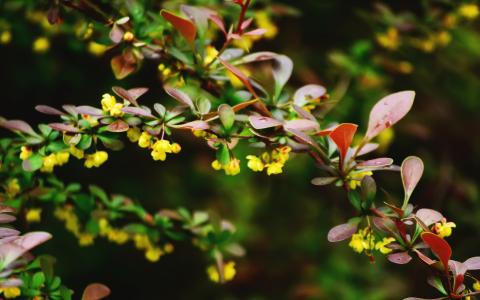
(104, 227)
(176, 148)
(128, 36)
(476, 286)
(444, 229)
(49, 163)
(210, 55)
(85, 239)
(216, 165)
(263, 21)
(13, 188)
(96, 48)
(96, 159)
(355, 179)
(33, 215)
(41, 45)
(5, 37)
(159, 155)
(10, 292)
(362, 240)
(133, 134)
(110, 105)
(199, 133)
(78, 153)
(255, 163)
(141, 241)
(153, 254)
(450, 21)
(162, 146)
(118, 236)
(389, 40)
(274, 168)
(385, 139)
(145, 140)
(443, 38)
(404, 67)
(237, 83)
(62, 158)
(228, 272)
(469, 11)
(25, 153)
(381, 245)
(233, 167)
(164, 70)
(168, 248)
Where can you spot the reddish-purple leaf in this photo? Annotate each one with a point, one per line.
(303, 113)
(341, 232)
(218, 21)
(308, 92)
(95, 291)
(256, 32)
(195, 125)
(32, 239)
(439, 246)
(302, 137)
(342, 136)
(6, 232)
(136, 93)
(376, 163)
(118, 126)
(6, 209)
(48, 110)
(282, 70)
(138, 111)
(301, 125)
(184, 26)
(369, 147)
(388, 111)
(116, 33)
(473, 263)
(429, 216)
(18, 125)
(411, 170)
(323, 180)
(89, 110)
(259, 122)
(400, 258)
(239, 74)
(4, 218)
(123, 64)
(63, 127)
(179, 96)
(258, 56)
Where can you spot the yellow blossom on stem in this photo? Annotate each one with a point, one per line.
(153, 254)
(216, 165)
(141, 241)
(164, 70)
(96, 48)
(118, 236)
(13, 188)
(355, 179)
(168, 248)
(381, 245)
(85, 239)
(104, 227)
(233, 167)
(362, 240)
(210, 55)
(469, 11)
(41, 45)
(25, 152)
(10, 292)
(443, 228)
(390, 39)
(263, 21)
(33, 215)
(128, 36)
(145, 140)
(255, 163)
(476, 286)
(5, 37)
(78, 153)
(96, 159)
(229, 272)
(274, 168)
(62, 157)
(110, 105)
(133, 134)
(49, 163)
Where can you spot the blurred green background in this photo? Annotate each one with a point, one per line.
(282, 220)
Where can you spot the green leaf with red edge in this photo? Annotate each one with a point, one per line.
(439, 246)
(342, 136)
(184, 26)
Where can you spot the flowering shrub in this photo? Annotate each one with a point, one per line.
(219, 102)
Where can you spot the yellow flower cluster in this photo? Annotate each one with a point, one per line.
(164, 71)
(152, 252)
(115, 235)
(263, 21)
(390, 39)
(273, 162)
(96, 48)
(25, 153)
(228, 272)
(10, 292)
(52, 160)
(204, 134)
(210, 55)
(364, 240)
(33, 215)
(476, 286)
(355, 179)
(96, 159)
(67, 215)
(13, 188)
(232, 168)
(41, 45)
(469, 11)
(443, 228)
(5, 37)
(110, 105)
(160, 148)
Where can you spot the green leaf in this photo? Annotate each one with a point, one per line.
(227, 116)
(223, 154)
(355, 200)
(44, 129)
(38, 279)
(33, 163)
(99, 193)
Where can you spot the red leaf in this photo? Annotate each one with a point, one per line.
(388, 111)
(123, 64)
(400, 258)
(412, 170)
(342, 136)
(341, 232)
(439, 246)
(95, 291)
(186, 27)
